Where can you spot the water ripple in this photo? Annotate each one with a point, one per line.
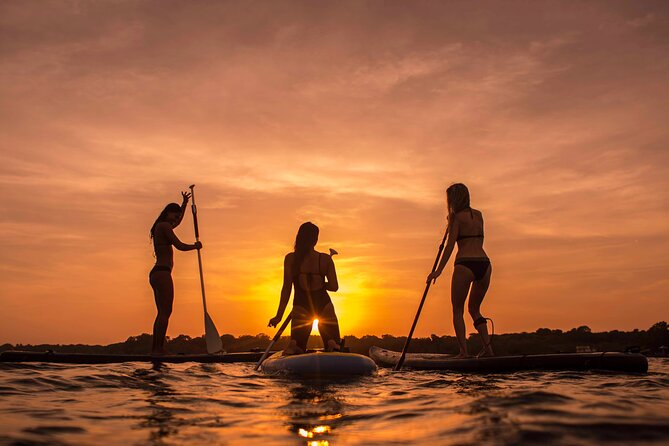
(176, 404)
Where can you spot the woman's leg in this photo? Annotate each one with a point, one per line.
(300, 329)
(163, 293)
(479, 289)
(328, 327)
(462, 279)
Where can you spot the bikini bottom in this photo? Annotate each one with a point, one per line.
(328, 326)
(478, 266)
(157, 268)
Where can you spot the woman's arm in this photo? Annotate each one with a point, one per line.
(172, 238)
(332, 284)
(285, 290)
(453, 231)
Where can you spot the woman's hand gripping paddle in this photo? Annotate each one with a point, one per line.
(281, 329)
(211, 336)
(398, 366)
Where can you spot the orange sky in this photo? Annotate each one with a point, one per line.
(354, 115)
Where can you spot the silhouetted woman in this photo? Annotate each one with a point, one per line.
(472, 266)
(306, 269)
(160, 277)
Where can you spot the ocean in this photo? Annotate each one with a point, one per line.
(230, 404)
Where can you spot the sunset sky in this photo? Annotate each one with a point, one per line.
(353, 115)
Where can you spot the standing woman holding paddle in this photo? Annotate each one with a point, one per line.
(472, 266)
(306, 269)
(160, 277)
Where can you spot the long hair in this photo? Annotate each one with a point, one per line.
(172, 207)
(457, 195)
(306, 239)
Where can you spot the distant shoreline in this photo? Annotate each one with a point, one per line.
(651, 342)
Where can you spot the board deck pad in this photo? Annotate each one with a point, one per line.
(613, 361)
(85, 358)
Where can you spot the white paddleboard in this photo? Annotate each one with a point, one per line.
(320, 364)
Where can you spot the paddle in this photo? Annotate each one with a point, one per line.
(398, 366)
(281, 329)
(274, 339)
(211, 336)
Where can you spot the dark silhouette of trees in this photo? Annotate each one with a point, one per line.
(543, 340)
(659, 335)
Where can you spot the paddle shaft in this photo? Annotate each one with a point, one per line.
(274, 339)
(197, 239)
(398, 366)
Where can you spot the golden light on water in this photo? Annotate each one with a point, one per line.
(331, 417)
(316, 430)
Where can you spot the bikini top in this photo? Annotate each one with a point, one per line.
(155, 243)
(309, 275)
(460, 236)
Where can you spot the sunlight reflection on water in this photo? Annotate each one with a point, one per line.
(131, 404)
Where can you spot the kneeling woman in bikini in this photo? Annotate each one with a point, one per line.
(306, 269)
(160, 277)
(472, 266)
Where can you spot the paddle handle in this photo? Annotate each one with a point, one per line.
(276, 338)
(398, 366)
(197, 239)
(197, 230)
(194, 210)
(199, 262)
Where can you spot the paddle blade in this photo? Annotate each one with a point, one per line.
(214, 343)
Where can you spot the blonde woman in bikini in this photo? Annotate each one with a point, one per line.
(471, 274)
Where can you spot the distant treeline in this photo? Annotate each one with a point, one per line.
(653, 341)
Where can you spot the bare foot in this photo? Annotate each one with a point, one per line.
(162, 352)
(332, 346)
(485, 353)
(462, 356)
(292, 349)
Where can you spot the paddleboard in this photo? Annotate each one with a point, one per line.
(84, 358)
(319, 364)
(615, 361)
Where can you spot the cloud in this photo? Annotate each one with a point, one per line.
(355, 117)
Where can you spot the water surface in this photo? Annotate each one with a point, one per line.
(179, 404)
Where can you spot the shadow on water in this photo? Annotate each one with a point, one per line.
(160, 420)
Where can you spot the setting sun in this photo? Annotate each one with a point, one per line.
(277, 127)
